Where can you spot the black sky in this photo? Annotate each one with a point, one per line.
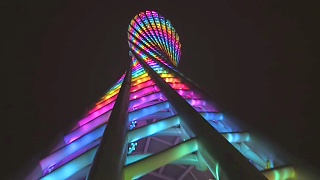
(259, 60)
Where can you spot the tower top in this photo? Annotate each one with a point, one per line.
(150, 32)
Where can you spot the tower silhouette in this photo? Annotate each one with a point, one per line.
(155, 123)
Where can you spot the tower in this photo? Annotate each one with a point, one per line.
(155, 123)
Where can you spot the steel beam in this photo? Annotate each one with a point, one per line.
(146, 165)
(161, 141)
(236, 137)
(280, 173)
(146, 147)
(110, 157)
(190, 159)
(213, 147)
(185, 173)
(150, 129)
(161, 176)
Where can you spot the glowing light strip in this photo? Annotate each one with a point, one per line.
(282, 173)
(96, 111)
(144, 30)
(141, 76)
(72, 167)
(163, 27)
(149, 28)
(103, 104)
(144, 91)
(157, 34)
(79, 132)
(159, 30)
(150, 35)
(78, 143)
(146, 48)
(137, 35)
(148, 110)
(142, 85)
(69, 149)
(154, 28)
(96, 114)
(140, 80)
(198, 104)
(135, 26)
(140, 168)
(231, 137)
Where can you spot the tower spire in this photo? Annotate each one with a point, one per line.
(155, 123)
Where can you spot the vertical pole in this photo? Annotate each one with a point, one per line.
(212, 144)
(110, 157)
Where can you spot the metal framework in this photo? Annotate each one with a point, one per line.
(154, 123)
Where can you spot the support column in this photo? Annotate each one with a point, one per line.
(110, 157)
(212, 145)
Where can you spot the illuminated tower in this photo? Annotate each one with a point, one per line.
(155, 123)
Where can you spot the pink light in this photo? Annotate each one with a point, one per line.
(103, 104)
(79, 132)
(143, 92)
(96, 114)
(73, 139)
(141, 86)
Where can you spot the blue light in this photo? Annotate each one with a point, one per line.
(133, 125)
(132, 147)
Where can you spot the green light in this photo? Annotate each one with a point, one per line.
(217, 171)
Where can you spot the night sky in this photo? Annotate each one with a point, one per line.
(258, 60)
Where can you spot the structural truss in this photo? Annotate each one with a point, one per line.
(155, 123)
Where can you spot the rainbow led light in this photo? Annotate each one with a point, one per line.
(152, 39)
(155, 35)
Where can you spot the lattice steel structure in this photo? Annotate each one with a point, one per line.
(154, 123)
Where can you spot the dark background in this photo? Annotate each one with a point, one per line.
(257, 59)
